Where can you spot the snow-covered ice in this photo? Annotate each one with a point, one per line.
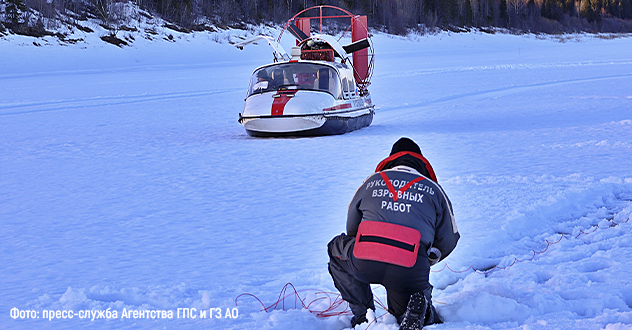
(126, 182)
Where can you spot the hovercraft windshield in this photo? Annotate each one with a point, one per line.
(300, 76)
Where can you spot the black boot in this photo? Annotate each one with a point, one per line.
(355, 320)
(413, 318)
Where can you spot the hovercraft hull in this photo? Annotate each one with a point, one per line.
(306, 125)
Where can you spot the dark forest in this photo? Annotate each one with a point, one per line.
(392, 16)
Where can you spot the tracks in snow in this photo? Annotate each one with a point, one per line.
(102, 101)
(491, 93)
(527, 66)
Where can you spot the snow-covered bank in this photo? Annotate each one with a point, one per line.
(127, 183)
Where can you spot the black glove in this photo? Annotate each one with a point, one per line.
(434, 255)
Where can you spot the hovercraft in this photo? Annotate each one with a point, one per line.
(320, 88)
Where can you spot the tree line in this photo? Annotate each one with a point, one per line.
(393, 16)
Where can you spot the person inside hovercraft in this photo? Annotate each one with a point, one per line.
(301, 76)
(262, 81)
(278, 79)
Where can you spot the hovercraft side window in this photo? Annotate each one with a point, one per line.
(302, 76)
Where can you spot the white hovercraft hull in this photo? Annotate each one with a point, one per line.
(305, 113)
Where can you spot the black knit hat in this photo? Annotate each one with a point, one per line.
(405, 144)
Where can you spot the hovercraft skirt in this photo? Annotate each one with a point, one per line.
(333, 125)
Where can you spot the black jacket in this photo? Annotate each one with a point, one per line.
(423, 206)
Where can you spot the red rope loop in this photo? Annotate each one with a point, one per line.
(334, 303)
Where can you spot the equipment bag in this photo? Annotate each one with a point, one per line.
(387, 242)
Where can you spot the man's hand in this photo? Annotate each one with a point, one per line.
(434, 255)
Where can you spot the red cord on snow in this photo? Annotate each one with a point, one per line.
(516, 260)
(334, 303)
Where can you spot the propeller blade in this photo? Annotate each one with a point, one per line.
(296, 32)
(356, 46)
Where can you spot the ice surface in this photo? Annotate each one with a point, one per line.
(127, 183)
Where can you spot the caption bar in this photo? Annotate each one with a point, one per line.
(180, 313)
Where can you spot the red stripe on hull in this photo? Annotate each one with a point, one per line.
(278, 105)
(339, 107)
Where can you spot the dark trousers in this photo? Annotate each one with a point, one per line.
(353, 276)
